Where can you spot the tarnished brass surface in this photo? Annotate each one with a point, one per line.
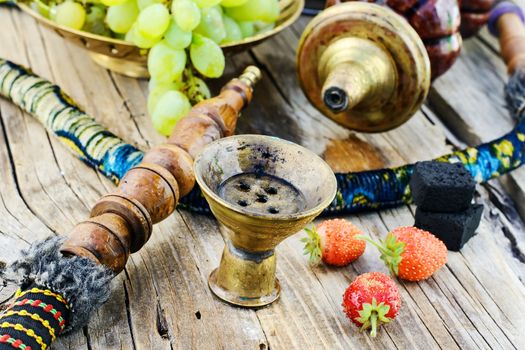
(243, 280)
(355, 72)
(363, 66)
(134, 67)
(127, 59)
(246, 275)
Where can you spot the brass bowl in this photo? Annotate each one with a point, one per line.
(262, 190)
(127, 59)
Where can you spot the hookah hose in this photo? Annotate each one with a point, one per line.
(110, 155)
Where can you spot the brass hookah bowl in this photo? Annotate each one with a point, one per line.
(368, 68)
(262, 190)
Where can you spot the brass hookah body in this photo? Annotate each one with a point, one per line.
(369, 67)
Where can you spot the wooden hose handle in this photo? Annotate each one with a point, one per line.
(121, 222)
(507, 23)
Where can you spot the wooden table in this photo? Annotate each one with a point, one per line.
(162, 301)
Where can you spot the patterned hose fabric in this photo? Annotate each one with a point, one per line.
(80, 133)
(33, 320)
(385, 188)
(368, 190)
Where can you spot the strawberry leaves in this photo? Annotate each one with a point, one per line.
(391, 251)
(312, 245)
(373, 315)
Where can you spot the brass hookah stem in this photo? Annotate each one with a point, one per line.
(356, 71)
(121, 223)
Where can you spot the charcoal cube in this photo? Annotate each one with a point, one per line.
(442, 187)
(454, 229)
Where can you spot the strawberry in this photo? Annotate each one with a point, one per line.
(333, 241)
(411, 253)
(371, 300)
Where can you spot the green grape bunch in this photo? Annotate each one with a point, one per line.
(183, 39)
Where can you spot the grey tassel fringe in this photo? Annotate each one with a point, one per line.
(84, 284)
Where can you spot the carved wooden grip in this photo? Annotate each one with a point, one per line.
(122, 222)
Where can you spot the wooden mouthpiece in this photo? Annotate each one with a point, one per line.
(507, 23)
(122, 222)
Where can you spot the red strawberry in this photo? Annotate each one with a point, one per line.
(411, 253)
(371, 300)
(333, 241)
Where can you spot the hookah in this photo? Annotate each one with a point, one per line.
(72, 274)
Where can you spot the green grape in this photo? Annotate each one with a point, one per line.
(157, 89)
(261, 27)
(232, 3)
(206, 56)
(70, 14)
(186, 13)
(196, 90)
(233, 31)
(95, 21)
(171, 107)
(172, 85)
(247, 29)
(166, 64)
(142, 4)
(153, 21)
(255, 10)
(129, 37)
(140, 40)
(176, 37)
(40, 7)
(120, 18)
(206, 3)
(211, 24)
(113, 2)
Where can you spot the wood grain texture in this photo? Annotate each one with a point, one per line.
(161, 299)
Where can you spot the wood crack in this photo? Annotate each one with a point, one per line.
(63, 176)
(162, 324)
(128, 109)
(85, 332)
(15, 177)
(128, 314)
(482, 334)
(505, 206)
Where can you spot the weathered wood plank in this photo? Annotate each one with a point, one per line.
(409, 139)
(162, 299)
